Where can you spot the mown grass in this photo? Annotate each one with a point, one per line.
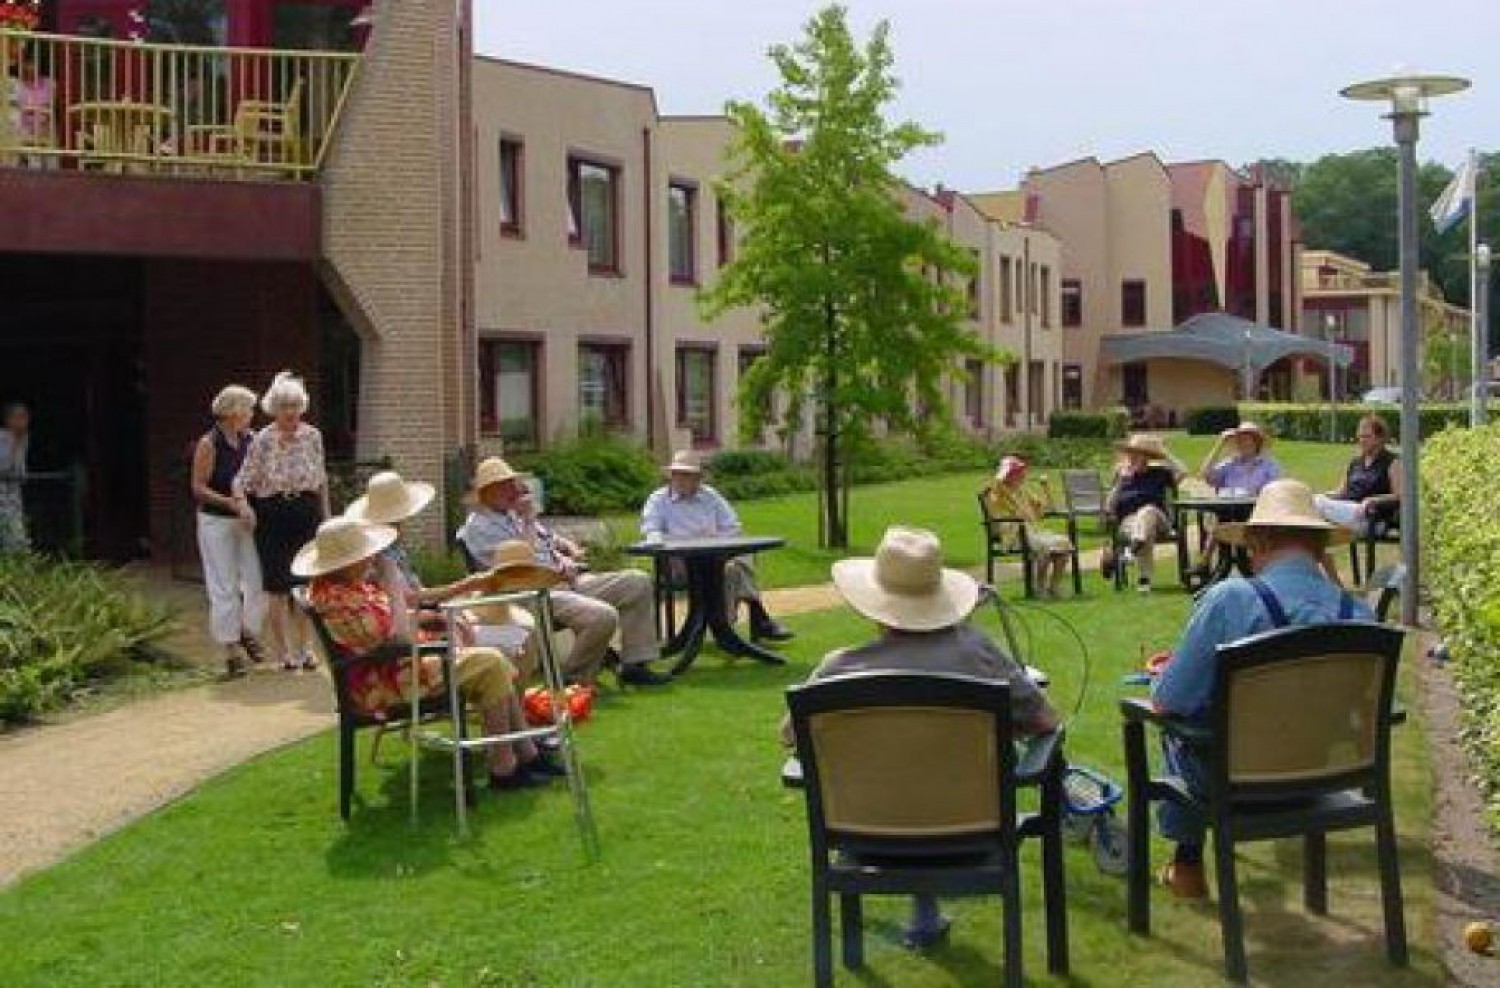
(254, 881)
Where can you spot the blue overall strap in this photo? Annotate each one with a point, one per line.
(1346, 607)
(1273, 606)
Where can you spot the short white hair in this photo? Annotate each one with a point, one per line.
(234, 398)
(286, 390)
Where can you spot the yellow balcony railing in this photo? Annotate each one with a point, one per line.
(121, 106)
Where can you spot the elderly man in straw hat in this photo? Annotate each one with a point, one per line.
(593, 606)
(921, 610)
(1138, 502)
(361, 615)
(687, 508)
(1240, 475)
(1287, 539)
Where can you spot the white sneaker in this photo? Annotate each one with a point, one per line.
(1127, 556)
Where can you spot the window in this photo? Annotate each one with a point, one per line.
(1005, 296)
(1133, 303)
(1072, 386)
(1072, 302)
(512, 217)
(974, 286)
(1045, 290)
(697, 394)
(747, 357)
(509, 376)
(724, 231)
(594, 213)
(603, 375)
(1036, 388)
(1031, 290)
(682, 217)
(974, 392)
(1135, 387)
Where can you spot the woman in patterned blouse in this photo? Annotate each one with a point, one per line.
(285, 485)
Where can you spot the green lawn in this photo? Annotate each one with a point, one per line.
(946, 505)
(254, 881)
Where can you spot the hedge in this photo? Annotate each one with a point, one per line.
(594, 475)
(1310, 422)
(1210, 420)
(1463, 549)
(1107, 423)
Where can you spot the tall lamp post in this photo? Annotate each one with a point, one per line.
(1480, 357)
(1408, 96)
(1330, 329)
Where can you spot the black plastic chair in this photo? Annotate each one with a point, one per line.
(1084, 493)
(911, 781)
(1297, 744)
(1005, 537)
(1375, 534)
(352, 719)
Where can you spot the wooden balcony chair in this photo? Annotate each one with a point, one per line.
(263, 132)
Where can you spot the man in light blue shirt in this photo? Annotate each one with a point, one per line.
(687, 508)
(1246, 472)
(1287, 539)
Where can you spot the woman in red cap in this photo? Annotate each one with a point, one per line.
(1010, 494)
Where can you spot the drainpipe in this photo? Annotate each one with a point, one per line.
(652, 381)
(1026, 332)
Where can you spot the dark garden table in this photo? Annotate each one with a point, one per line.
(703, 559)
(1224, 509)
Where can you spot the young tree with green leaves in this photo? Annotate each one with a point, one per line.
(863, 309)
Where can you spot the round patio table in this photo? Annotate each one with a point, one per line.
(1224, 508)
(703, 559)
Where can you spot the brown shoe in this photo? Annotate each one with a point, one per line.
(1185, 881)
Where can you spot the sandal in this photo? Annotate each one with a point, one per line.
(253, 649)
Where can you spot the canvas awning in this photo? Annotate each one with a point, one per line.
(1220, 338)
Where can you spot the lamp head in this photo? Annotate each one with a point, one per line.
(1407, 92)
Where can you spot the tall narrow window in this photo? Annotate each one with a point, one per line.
(974, 392)
(512, 185)
(697, 394)
(1133, 303)
(1072, 302)
(603, 373)
(1045, 290)
(594, 213)
(975, 286)
(509, 374)
(724, 231)
(682, 219)
(1072, 386)
(1005, 290)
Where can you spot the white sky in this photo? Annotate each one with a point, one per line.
(1016, 83)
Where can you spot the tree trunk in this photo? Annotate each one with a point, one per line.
(837, 527)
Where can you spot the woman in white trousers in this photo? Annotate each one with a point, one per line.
(226, 525)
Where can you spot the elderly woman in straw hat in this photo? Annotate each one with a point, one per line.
(921, 611)
(1248, 470)
(226, 544)
(361, 615)
(1287, 539)
(1011, 494)
(1137, 501)
(688, 508)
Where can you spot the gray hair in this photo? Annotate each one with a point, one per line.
(234, 398)
(286, 391)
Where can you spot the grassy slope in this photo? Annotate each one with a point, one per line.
(254, 881)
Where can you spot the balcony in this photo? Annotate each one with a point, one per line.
(122, 107)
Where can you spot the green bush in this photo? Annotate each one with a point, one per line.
(1310, 422)
(1463, 550)
(63, 625)
(594, 475)
(1058, 454)
(1108, 423)
(1210, 420)
(748, 474)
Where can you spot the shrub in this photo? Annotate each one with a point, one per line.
(594, 475)
(748, 474)
(1058, 454)
(63, 625)
(1108, 423)
(1210, 420)
(1310, 422)
(1463, 549)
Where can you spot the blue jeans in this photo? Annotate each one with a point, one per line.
(1179, 823)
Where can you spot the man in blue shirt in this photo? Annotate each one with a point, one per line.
(1287, 539)
(687, 508)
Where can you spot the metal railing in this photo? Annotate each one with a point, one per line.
(122, 106)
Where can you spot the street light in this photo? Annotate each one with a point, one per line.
(1480, 356)
(1330, 327)
(1408, 96)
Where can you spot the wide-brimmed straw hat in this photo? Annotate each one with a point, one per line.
(685, 461)
(1251, 429)
(905, 586)
(1009, 465)
(341, 542)
(1283, 504)
(1149, 446)
(513, 566)
(388, 499)
(492, 470)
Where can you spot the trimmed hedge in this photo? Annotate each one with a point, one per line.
(749, 474)
(594, 475)
(1463, 547)
(1108, 423)
(1309, 423)
(1210, 420)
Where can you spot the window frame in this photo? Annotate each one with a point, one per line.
(1072, 307)
(576, 163)
(974, 289)
(489, 396)
(1044, 290)
(690, 191)
(1007, 291)
(974, 404)
(617, 350)
(709, 351)
(1071, 376)
(723, 232)
(1127, 316)
(515, 227)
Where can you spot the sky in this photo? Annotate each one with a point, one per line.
(1013, 84)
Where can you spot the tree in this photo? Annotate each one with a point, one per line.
(863, 309)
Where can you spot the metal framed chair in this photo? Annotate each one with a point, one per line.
(882, 821)
(1083, 494)
(1005, 537)
(1388, 533)
(1297, 743)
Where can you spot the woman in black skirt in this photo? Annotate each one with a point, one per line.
(286, 486)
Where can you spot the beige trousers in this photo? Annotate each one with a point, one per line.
(1143, 530)
(599, 605)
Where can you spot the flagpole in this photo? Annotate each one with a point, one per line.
(1478, 375)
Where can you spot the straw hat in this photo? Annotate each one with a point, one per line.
(685, 461)
(492, 471)
(1008, 466)
(341, 542)
(1149, 446)
(905, 585)
(1250, 429)
(1283, 504)
(513, 566)
(388, 499)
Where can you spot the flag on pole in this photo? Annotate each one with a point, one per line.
(1457, 199)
